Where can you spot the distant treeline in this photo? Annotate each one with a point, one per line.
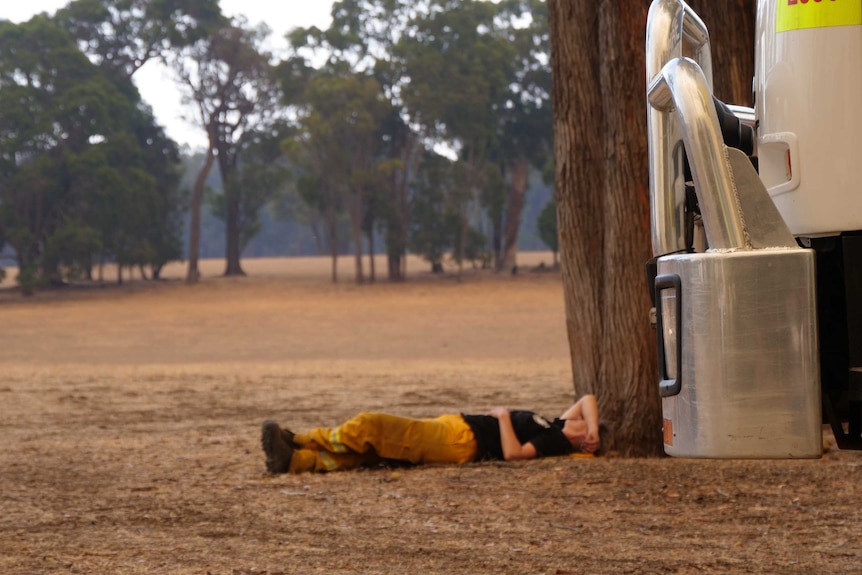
(280, 237)
(419, 126)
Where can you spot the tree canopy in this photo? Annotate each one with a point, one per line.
(465, 78)
(399, 118)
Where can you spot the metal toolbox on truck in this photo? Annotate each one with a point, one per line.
(737, 337)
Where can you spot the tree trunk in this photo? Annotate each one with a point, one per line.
(462, 242)
(514, 208)
(409, 152)
(331, 225)
(232, 234)
(396, 232)
(193, 274)
(597, 62)
(497, 242)
(602, 184)
(371, 269)
(356, 228)
(396, 240)
(393, 267)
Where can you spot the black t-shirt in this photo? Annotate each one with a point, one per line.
(546, 436)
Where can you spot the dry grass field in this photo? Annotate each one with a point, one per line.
(130, 423)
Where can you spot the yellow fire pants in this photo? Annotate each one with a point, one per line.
(370, 438)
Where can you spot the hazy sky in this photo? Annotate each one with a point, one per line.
(155, 83)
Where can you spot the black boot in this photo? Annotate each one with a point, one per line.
(277, 447)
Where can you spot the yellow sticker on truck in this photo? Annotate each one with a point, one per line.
(801, 14)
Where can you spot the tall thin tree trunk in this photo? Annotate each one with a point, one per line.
(401, 179)
(497, 242)
(514, 208)
(193, 274)
(371, 269)
(396, 245)
(332, 229)
(393, 268)
(602, 181)
(232, 235)
(356, 228)
(462, 242)
(334, 256)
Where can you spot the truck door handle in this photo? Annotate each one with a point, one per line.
(668, 386)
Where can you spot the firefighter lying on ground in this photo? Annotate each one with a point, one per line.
(374, 438)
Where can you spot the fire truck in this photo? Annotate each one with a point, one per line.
(756, 222)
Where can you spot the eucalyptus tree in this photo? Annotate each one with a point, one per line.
(56, 107)
(319, 194)
(361, 39)
(601, 177)
(435, 222)
(120, 198)
(602, 214)
(160, 157)
(459, 67)
(228, 78)
(260, 175)
(338, 146)
(472, 76)
(526, 119)
(121, 36)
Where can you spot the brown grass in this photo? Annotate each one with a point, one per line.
(130, 428)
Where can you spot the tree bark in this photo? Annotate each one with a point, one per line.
(462, 241)
(193, 274)
(372, 271)
(233, 266)
(394, 267)
(597, 62)
(355, 211)
(331, 225)
(602, 193)
(514, 208)
(497, 242)
(232, 238)
(408, 152)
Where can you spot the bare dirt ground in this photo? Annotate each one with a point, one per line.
(130, 441)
